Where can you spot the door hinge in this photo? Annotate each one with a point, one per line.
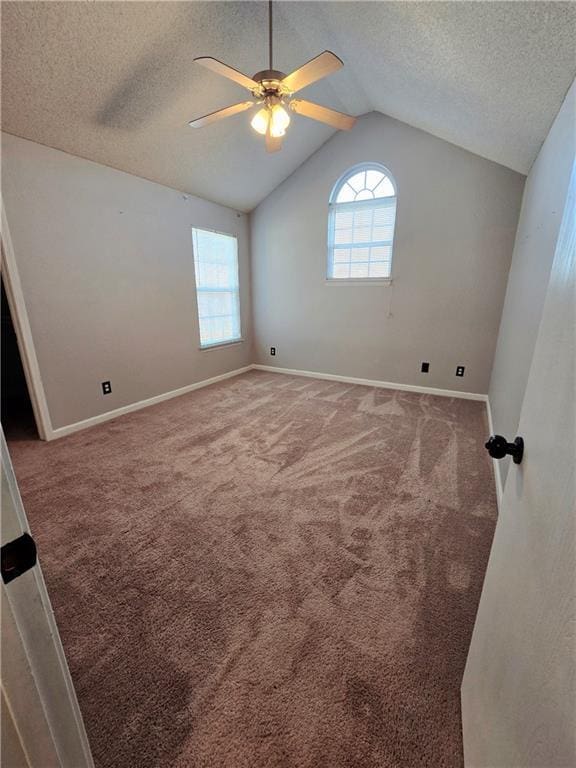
(18, 556)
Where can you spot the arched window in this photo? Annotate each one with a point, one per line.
(361, 224)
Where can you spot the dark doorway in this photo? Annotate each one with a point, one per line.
(17, 415)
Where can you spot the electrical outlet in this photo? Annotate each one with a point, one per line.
(106, 387)
(460, 370)
(425, 368)
(272, 351)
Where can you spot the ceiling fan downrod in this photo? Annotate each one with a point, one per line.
(270, 33)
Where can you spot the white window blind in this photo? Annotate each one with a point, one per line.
(361, 226)
(217, 287)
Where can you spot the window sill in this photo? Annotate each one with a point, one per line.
(374, 281)
(219, 344)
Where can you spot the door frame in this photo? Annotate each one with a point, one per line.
(36, 681)
(21, 322)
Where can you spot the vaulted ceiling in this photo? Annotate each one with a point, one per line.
(115, 82)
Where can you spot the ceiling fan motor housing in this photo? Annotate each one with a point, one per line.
(270, 83)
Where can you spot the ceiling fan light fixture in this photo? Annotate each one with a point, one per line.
(260, 121)
(279, 121)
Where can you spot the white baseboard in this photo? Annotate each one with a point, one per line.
(102, 417)
(374, 383)
(497, 475)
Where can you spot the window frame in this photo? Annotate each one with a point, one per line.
(228, 342)
(333, 206)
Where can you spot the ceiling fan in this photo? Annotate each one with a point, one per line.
(273, 92)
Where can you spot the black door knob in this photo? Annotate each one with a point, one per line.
(498, 447)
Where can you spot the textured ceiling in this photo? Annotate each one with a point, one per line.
(115, 82)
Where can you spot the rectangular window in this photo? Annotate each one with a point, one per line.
(217, 287)
(360, 239)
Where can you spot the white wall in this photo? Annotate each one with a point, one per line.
(456, 219)
(105, 260)
(541, 213)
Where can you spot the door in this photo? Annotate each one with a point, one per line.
(519, 689)
(41, 723)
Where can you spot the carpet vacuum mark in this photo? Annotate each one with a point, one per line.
(271, 571)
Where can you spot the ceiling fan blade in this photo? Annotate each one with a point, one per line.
(223, 69)
(314, 70)
(273, 143)
(323, 114)
(220, 114)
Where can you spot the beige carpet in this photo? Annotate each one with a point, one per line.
(272, 571)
